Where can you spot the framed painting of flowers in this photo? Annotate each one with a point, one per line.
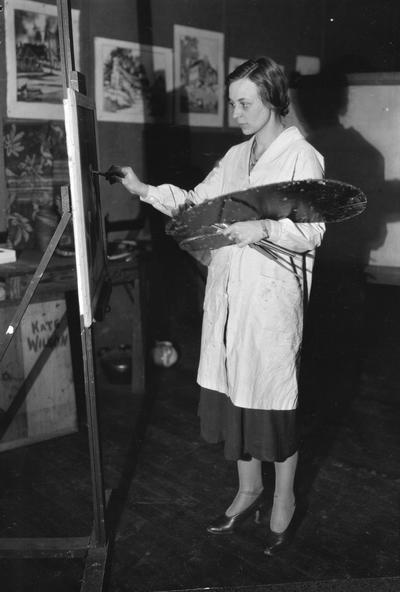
(36, 166)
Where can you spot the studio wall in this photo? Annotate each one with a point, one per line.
(177, 153)
(168, 152)
(284, 29)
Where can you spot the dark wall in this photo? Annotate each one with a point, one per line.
(283, 29)
(180, 154)
(363, 34)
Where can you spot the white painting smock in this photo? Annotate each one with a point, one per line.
(253, 308)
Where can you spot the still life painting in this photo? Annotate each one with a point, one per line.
(34, 75)
(199, 76)
(133, 82)
(36, 166)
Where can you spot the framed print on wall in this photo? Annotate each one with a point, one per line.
(36, 166)
(133, 82)
(34, 77)
(199, 76)
(233, 63)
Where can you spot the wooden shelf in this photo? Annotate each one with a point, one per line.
(60, 275)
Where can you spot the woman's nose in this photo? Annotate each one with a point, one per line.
(236, 112)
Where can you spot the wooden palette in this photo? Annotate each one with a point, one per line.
(311, 200)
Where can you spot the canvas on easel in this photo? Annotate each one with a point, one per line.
(80, 126)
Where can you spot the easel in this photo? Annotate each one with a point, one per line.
(94, 548)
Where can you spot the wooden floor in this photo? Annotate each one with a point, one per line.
(167, 483)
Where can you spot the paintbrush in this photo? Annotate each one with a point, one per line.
(113, 175)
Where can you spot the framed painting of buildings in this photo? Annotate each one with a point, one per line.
(34, 77)
(199, 76)
(133, 82)
(233, 63)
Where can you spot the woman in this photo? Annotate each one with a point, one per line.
(253, 308)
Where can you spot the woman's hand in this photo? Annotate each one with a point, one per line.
(128, 178)
(246, 233)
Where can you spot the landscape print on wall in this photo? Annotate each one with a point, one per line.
(199, 76)
(133, 81)
(34, 77)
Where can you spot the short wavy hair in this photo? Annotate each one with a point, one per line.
(270, 80)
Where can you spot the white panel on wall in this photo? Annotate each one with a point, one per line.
(374, 111)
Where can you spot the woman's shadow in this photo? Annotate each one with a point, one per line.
(336, 325)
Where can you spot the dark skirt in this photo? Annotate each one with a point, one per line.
(247, 433)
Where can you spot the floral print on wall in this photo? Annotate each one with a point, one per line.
(36, 165)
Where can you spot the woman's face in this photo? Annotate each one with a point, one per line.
(247, 107)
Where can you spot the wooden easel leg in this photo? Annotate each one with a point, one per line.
(138, 347)
(94, 438)
(95, 569)
(96, 560)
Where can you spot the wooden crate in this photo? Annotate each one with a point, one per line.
(38, 364)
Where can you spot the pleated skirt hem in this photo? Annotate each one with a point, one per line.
(247, 433)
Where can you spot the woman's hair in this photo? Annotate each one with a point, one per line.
(270, 80)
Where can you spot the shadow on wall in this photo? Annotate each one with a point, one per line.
(340, 274)
(319, 102)
(336, 325)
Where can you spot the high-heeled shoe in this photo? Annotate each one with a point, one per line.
(226, 524)
(276, 541)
